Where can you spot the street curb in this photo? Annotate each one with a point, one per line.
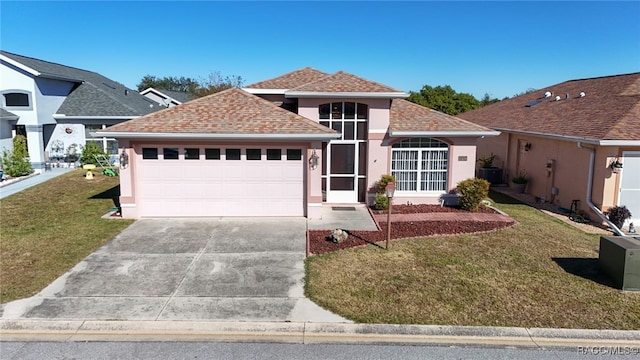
(309, 333)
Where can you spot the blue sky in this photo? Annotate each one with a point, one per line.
(500, 48)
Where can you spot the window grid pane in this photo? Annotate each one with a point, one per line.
(431, 164)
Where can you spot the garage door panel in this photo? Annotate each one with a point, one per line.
(202, 187)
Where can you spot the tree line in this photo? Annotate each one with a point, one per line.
(440, 98)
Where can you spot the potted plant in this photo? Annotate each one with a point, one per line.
(616, 166)
(520, 182)
(618, 215)
(488, 171)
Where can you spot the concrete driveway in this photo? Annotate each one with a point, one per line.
(186, 269)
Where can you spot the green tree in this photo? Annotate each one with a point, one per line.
(172, 83)
(89, 150)
(216, 82)
(487, 100)
(16, 162)
(444, 99)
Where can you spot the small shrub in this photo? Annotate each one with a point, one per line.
(384, 180)
(382, 202)
(16, 162)
(618, 214)
(521, 178)
(487, 161)
(472, 192)
(88, 152)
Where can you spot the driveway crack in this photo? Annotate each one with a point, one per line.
(173, 294)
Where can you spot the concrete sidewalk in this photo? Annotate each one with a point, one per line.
(310, 333)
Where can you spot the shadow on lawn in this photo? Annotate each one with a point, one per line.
(363, 239)
(501, 198)
(587, 268)
(113, 194)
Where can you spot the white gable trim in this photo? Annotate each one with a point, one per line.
(350, 95)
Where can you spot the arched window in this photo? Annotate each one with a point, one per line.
(420, 164)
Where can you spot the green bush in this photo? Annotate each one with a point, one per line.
(382, 202)
(88, 152)
(16, 162)
(472, 192)
(384, 180)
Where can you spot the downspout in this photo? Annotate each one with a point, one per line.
(592, 157)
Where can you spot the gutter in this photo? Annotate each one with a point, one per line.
(592, 141)
(89, 117)
(206, 136)
(347, 95)
(443, 133)
(592, 157)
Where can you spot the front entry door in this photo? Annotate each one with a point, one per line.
(630, 185)
(342, 179)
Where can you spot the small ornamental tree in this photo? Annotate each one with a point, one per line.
(382, 203)
(16, 162)
(472, 192)
(89, 150)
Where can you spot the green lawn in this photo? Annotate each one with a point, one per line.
(538, 273)
(47, 229)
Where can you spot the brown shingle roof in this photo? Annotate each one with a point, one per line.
(290, 80)
(344, 82)
(232, 111)
(411, 117)
(610, 110)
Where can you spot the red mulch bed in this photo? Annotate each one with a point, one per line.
(319, 242)
(423, 208)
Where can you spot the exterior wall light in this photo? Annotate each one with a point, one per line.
(124, 159)
(313, 160)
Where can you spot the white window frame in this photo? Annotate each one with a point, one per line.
(420, 169)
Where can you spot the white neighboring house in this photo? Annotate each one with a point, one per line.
(167, 98)
(59, 108)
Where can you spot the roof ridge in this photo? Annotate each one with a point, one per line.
(48, 62)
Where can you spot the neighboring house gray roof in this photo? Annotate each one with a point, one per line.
(7, 115)
(95, 95)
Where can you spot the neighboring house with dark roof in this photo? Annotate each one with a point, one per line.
(167, 98)
(566, 137)
(289, 145)
(58, 108)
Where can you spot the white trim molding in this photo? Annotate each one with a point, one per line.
(592, 141)
(345, 95)
(206, 136)
(442, 133)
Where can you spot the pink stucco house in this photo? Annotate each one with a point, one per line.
(287, 146)
(566, 138)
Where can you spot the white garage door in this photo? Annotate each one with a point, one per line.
(218, 181)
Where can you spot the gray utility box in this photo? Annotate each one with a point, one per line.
(620, 259)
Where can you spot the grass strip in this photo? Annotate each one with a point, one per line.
(47, 229)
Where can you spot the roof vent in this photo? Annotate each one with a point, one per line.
(582, 94)
(126, 92)
(557, 98)
(566, 96)
(548, 94)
